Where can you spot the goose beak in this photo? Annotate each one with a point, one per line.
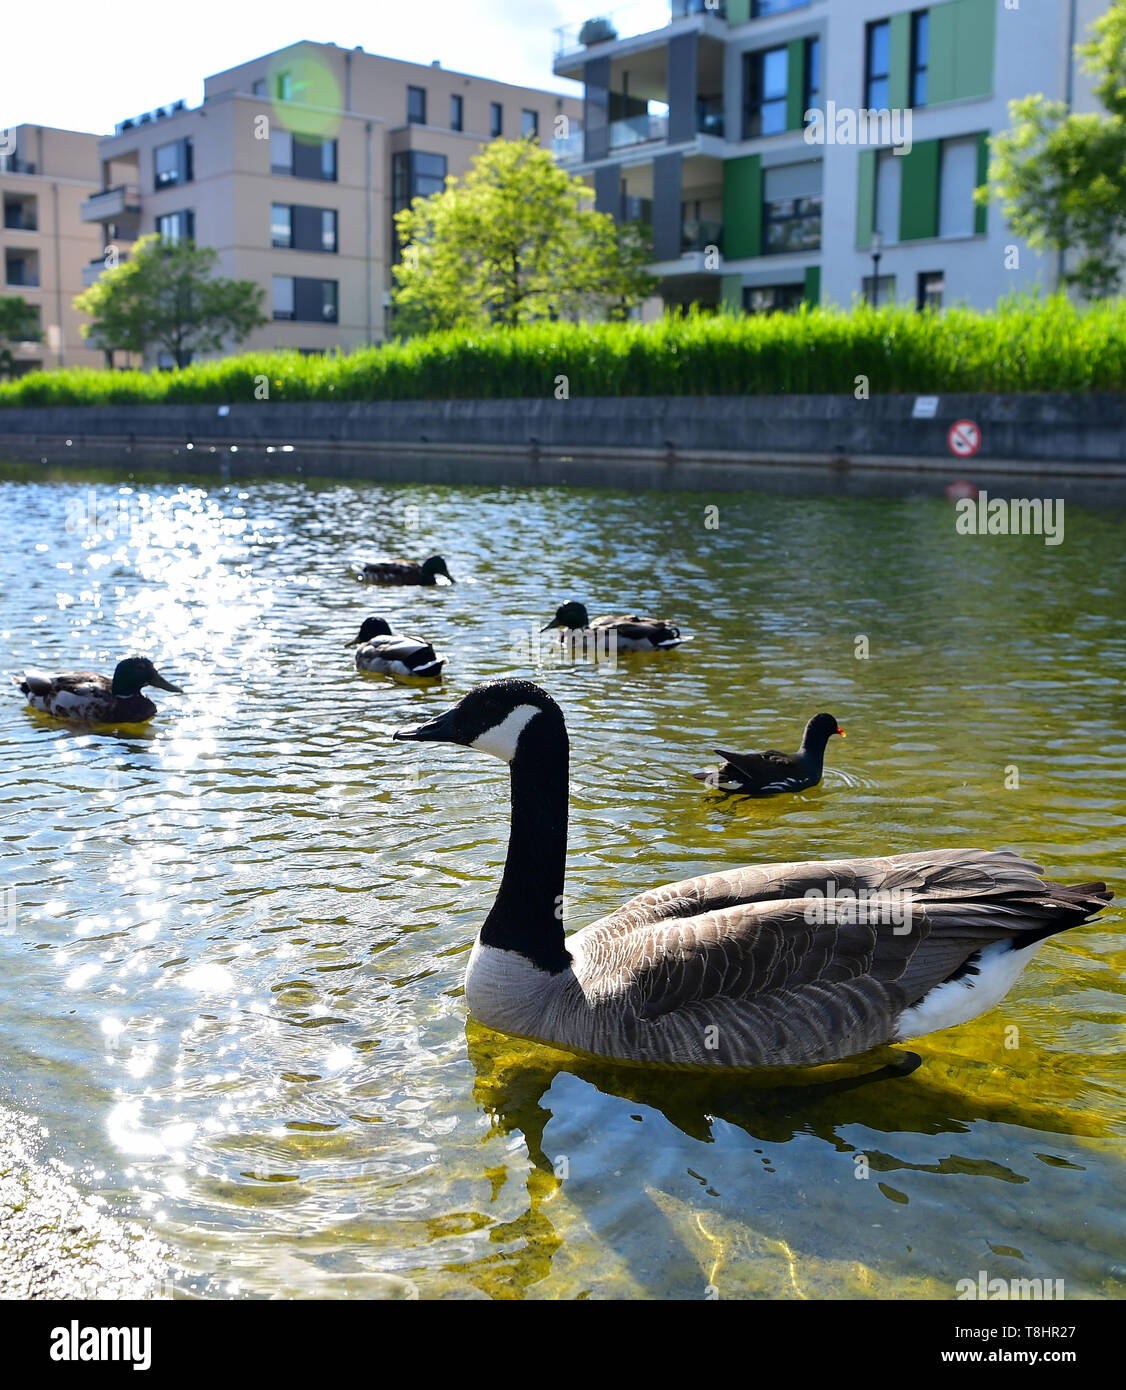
(437, 730)
(162, 684)
(548, 628)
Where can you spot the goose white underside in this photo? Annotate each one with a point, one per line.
(505, 990)
(958, 1001)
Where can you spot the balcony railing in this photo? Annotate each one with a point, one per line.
(23, 279)
(16, 221)
(93, 270)
(638, 130)
(13, 164)
(111, 204)
(697, 234)
(568, 148)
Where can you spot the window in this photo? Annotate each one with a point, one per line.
(791, 197)
(496, 119)
(172, 164)
(932, 286)
(764, 88)
(258, 88)
(957, 178)
(759, 8)
(457, 111)
(415, 174)
(298, 228)
(285, 86)
(884, 289)
(811, 97)
(281, 225)
(877, 65)
(885, 213)
(303, 159)
(772, 299)
(530, 125)
(284, 296)
(416, 106)
(920, 43)
(328, 229)
(305, 300)
(22, 269)
(175, 227)
(20, 213)
(281, 151)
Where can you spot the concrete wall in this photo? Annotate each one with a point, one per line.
(1020, 433)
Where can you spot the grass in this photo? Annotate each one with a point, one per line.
(1024, 345)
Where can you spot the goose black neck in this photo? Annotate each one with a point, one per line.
(527, 916)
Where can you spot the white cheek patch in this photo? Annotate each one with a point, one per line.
(502, 738)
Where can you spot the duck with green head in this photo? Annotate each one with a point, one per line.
(406, 571)
(628, 632)
(91, 698)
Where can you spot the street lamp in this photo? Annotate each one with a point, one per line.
(877, 252)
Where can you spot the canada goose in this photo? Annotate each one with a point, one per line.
(96, 699)
(763, 774)
(406, 571)
(630, 633)
(768, 965)
(392, 654)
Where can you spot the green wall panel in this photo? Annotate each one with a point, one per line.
(918, 191)
(742, 207)
(795, 83)
(865, 196)
(738, 11)
(899, 74)
(981, 212)
(813, 284)
(962, 40)
(731, 292)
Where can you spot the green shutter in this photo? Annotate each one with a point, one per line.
(918, 191)
(980, 210)
(865, 196)
(795, 84)
(738, 11)
(742, 207)
(899, 86)
(731, 292)
(960, 61)
(813, 284)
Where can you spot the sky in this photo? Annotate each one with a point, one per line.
(86, 66)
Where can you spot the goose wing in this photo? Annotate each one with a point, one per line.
(634, 629)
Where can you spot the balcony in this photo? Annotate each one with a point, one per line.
(642, 17)
(112, 204)
(93, 270)
(697, 234)
(13, 164)
(568, 149)
(638, 130)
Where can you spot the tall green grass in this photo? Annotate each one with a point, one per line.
(1025, 345)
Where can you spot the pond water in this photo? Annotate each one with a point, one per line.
(231, 960)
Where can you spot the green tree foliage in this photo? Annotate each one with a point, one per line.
(19, 323)
(1061, 178)
(166, 296)
(515, 240)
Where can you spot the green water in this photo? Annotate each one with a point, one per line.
(230, 980)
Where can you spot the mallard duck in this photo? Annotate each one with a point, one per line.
(406, 571)
(630, 633)
(96, 699)
(763, 774)
(391, 654)
(767, 965)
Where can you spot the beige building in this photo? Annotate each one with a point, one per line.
(292, 168)
(45, 246)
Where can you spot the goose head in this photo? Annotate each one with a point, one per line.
(820, 730)
(434, 564)
(369, 628)
(569, 615)
(134, 673)
(498, 717)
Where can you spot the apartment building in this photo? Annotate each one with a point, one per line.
(292, 168)
(45, 175)
(706, 127)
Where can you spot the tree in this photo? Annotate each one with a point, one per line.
(512, 241)
(1061, 178)
(19, 323)
(165, 296)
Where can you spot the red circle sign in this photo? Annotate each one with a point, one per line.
(964, 438)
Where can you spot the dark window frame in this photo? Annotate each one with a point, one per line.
(534, 133)
(870, 74)
(189, 233)
(920, 21)
(789, 297)
(755, 99)
(923, 300)
(496, 120)
(811, 95)
(185, 164)
(457, 111)
(416, 105)
(802, 209)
